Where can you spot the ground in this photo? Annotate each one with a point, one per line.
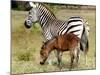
(26, 44)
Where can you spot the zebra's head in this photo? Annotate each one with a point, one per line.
(32, 15)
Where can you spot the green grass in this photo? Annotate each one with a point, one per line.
(26, 44)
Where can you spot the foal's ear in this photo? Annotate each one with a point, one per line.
(42, 47)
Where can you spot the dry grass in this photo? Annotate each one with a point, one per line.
(26, 44)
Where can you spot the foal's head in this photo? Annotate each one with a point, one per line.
(46, 48)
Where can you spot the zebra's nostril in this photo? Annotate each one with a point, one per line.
(28, 21)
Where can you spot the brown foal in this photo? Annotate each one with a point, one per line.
(66, 42)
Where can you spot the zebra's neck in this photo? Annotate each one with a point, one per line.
(45, 15)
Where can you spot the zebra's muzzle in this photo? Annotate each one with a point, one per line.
(27, 24)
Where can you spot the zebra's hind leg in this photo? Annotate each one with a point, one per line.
(85, 54)
(86, 60)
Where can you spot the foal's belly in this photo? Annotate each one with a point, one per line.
(64, 50)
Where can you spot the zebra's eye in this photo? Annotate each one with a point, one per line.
(29, 12)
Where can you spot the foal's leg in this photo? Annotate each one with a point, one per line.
(72, 59)
(59, 58)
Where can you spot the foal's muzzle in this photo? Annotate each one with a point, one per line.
(42, 63)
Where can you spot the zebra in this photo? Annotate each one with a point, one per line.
(51, 26)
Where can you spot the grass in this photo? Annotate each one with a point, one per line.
(26, 44)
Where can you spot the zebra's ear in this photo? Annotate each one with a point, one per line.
(32, 4)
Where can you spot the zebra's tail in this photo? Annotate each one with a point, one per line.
(87, 47)
(84, 44)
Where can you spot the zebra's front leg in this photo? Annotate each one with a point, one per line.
(58, 58)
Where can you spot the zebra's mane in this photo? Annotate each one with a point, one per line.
(44, 6)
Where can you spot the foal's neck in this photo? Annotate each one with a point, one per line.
(52, 44)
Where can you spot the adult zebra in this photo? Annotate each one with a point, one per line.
(52, 27)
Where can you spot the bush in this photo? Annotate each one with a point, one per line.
(24, 56)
